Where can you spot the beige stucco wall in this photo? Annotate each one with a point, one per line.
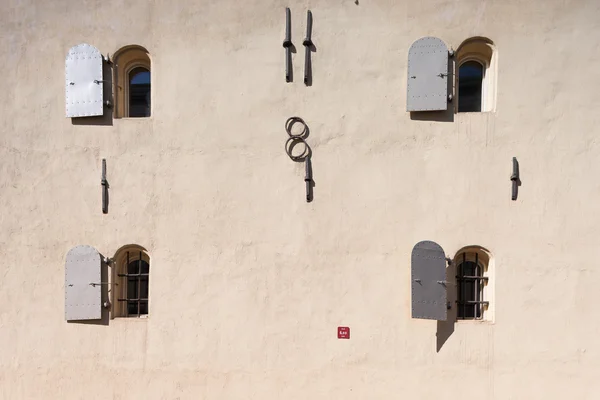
(248, 281)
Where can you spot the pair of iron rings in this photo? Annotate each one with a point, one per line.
(296, 139)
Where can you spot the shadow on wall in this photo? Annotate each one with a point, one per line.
(440, 116)
(107, 118)
(445, 329)
(308, 76)
(104, 298)
(310, 182)
(290, 62)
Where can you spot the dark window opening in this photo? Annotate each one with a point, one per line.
(470, 82)
(136, 291)
(470, 283)
(139, 92)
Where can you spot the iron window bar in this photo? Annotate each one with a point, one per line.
(135, 283)
(481, 278)
(470, 282)
(134, 300)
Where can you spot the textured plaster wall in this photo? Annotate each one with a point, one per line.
(248, 281)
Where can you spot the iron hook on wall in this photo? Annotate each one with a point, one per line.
(308, 47)
(104, 184)
(308, 179)
(287, 44)
(295, 139)
(515, 178)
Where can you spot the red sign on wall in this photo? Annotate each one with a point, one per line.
(343, 332)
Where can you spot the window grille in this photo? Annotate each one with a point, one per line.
(470, 284)
(136, 288)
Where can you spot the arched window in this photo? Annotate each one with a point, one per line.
(473, 287)
(476, 59)
(470, 81)
(133, 82)
(131, 265)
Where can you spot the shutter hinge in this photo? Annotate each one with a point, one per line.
(99, 284)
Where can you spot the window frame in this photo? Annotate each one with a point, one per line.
(127, 90)
(486, 262)
(120, 277)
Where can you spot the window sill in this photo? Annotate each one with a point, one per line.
(134, 118)
(140, 318)
(474, 321)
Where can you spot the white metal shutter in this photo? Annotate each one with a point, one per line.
(427, 86)
(83, 300)
(429, 291)
(83, 82)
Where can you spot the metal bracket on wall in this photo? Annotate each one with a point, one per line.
(294, 140)
(516, 181)
(308, 46)
(287, 44)
(105, 186)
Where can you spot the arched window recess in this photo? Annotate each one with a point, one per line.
(133, 82)
(476, 60)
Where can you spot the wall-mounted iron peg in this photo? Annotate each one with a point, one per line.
(308, 179)
(287, 44)
(104, 184)
(515, 178)
(308, 44)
